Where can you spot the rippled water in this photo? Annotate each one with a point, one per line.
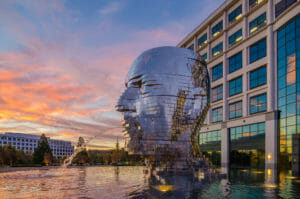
(130, 182)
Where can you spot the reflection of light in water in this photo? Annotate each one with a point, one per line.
(298, 181)
(243, 170)
(270, 185)
(258, 172)
(291, 177)
(164, 188)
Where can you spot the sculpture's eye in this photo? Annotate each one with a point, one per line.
(138, 84)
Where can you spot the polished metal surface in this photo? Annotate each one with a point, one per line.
(165, 102)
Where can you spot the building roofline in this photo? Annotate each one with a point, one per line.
(214, 14)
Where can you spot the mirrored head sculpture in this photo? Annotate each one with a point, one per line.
(164, 104)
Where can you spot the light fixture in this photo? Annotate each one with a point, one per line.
(253, 29)
(269, 156)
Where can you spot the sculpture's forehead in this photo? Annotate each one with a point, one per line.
(162, 60)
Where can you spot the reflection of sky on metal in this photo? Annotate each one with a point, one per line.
(62, 63)
(167, 93)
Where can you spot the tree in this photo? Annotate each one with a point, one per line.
(43, 147)
(116, 153)
(11, 154)
(81, 142)
(82, 157)
(2, 155)
(47, 158)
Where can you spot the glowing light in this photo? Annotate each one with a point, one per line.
(244, 170)
(269, 156)
(205, 42)
(253, 29)
(239, 39)
(259, 1)
(215, 34)
(238, 17)
(164, 188)
(216, 53)
(269, 172)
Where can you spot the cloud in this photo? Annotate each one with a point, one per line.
(111, 8)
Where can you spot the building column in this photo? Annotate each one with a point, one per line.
(195, 44)
(271, 140)
(225, 149)
(209, 44)
(271, 60)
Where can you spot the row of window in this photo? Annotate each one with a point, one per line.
(247, 131)
(211, 136)
(254, 25)
(257, 51)
(257, 104)
(258, 77)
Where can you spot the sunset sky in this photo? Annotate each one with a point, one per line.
(63, 63)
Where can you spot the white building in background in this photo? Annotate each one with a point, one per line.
(28, 143)
(252, 50)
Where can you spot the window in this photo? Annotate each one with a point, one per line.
(235, 110)
(191, 47)
(258, 50)
(235, 38)
(257, 23)
(282, 5)
(217, 29)
(217, 114)
(235, 62)
(235, 86)
(217, 72)
(258, 77)
(254, 3)
(258, 103)
(202, 40)
(217, 93)
(218, 49)
(235, 15)
(204, 56)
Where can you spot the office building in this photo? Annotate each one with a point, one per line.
(252, 49)
(28, 143)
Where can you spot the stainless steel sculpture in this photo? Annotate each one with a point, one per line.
(164, 104)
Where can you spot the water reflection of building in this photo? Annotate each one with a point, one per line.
(252, 51)
(27, 143)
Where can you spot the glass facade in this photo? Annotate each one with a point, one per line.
(258, 23)
(235, 86)
(258, 77)
(258, 103)
(254, 3)
(217, 114)
(191, 47)
(258, 50)
(217, 72)
(282, 5)
(235, 14)
(210, 146)
(235, 38)
(217, 29)
(202, 40)
(288, 85)
(235, 110)
(247, 146)
(235, 62)
(218, 49)
(204, 56)
(217, 93)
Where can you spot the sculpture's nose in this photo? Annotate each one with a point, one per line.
(126, 101)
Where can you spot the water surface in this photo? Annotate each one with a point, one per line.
(130, 182)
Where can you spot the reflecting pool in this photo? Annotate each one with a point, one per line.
(130, 182)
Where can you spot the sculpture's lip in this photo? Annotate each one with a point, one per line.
(121, 108)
